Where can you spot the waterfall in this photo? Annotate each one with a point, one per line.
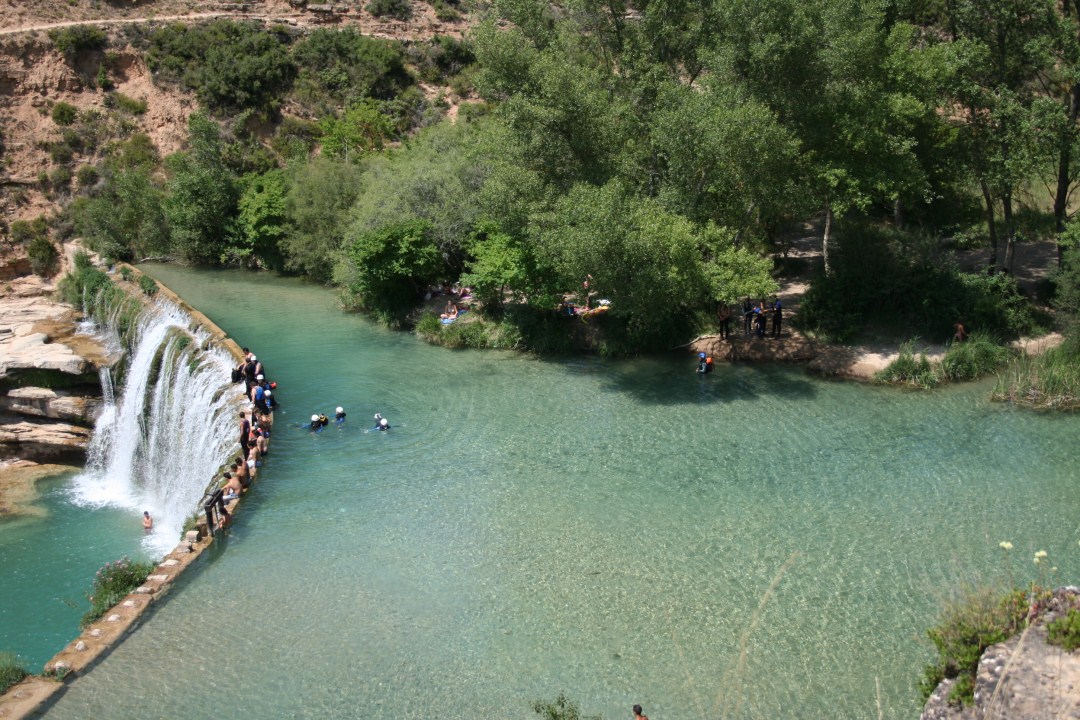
(161, 436)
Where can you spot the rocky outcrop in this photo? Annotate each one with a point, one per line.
(50, 393)
(50, 440)
(1022, 678)
(49, 403)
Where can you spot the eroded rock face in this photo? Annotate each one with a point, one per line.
(55, 404)
(28, 439)
(1023, 678)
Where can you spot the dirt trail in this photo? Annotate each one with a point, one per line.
(149, 18)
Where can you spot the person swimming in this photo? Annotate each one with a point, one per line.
(381, 423)
(339, 415)
(316, 423)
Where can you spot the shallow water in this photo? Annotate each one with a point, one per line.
(608, 530)
(47, 564)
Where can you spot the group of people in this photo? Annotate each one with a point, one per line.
(320, 420)
(255, 425)
(756, 317)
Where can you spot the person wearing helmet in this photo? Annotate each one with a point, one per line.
(323, 420)
(268, 398)
(381, 423)
(316, 423)
(339, 415)
(704, 363)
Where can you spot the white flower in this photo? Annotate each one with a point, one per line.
(1038, 560)
(1005, 545)
(1040, 554)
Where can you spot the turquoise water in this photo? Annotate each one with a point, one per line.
(47, 564)
(608, 530)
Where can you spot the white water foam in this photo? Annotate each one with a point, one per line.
(157, 445)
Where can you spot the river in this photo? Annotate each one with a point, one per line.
(756, 543)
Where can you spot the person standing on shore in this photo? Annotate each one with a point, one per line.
(748, 315)
(777, 317)
(723, 314)
(245, 429)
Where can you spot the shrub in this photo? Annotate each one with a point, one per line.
(966, 629)
(400, 9)
(76, 39)
(85, 281)
(896, 281)
(43, 255)
(126, 274)
(979, 355)
(231, 66)
(11, 671)
(87, 175)
(341, 67)
(428, 327)
(60, 178)
(130, 105)
(112, 582)
(64, 113)
(1065, 631)
(147, 285)
(22, 231)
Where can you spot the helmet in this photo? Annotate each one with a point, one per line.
(340, 410)
(268, 393)
(314, 418)
(701, 355)
(253, 358)
(260, 377)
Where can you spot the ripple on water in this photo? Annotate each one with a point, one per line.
(604, 529)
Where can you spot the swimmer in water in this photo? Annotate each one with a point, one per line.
(316, 424)
(381, 423)
(339, 415)
(147, 521)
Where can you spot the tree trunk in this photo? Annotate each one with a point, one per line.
(825, 239)
(991, 263)
(1061, 195)
(898, 214)
(1010, 231)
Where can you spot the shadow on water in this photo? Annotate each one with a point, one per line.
(665, 381)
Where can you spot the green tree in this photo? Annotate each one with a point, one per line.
(499, 263)
(318, 195)
(201, 201)
(125, 219)
(386, 270)
(261, 219)
(338, 68)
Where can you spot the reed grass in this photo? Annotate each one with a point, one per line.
(11, 671)
(1049, 381)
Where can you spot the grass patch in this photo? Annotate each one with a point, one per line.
(11, 671)
(977, 356)
(112, 583)
(909, 369)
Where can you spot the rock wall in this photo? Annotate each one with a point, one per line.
(50, 392)
(1023, 678)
